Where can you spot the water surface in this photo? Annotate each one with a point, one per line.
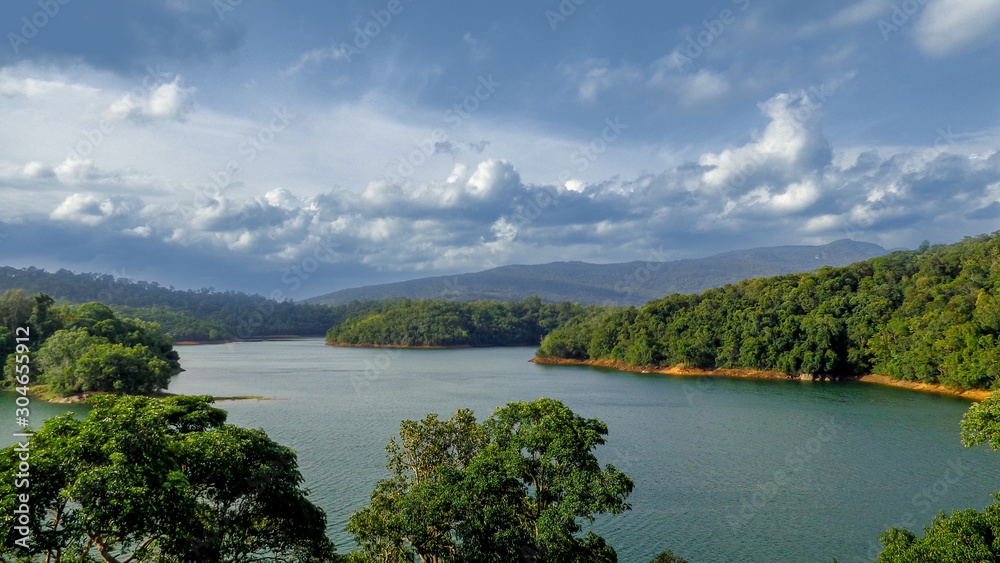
(725, 469)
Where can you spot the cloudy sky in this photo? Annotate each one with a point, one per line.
(301, 147)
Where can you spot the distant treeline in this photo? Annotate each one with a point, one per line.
(202, 315)
(404, 322)
(931, 315)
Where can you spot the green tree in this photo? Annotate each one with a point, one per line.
(143, 479)
(15, 309)
(120, 369)
(515, 487)
(667, 557)
(57, 358)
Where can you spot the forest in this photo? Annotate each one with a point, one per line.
(405, 322)
(80, 349)
(203, 315)
(929, 315)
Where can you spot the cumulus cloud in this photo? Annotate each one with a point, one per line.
(790, 146)
(785, 182)
(169, 101)
(92, 210)
(949, 26)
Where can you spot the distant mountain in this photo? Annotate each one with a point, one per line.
(629, 283)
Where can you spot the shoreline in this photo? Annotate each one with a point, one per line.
(400, 346)
(81, 398)
(682, 370)
(267, 337)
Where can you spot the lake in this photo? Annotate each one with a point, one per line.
(725, 470)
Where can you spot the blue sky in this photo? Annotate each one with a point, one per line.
(299, 147)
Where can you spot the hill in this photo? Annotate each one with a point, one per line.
(628, 283)
(930, 315)
(202, 315)
(441, 323)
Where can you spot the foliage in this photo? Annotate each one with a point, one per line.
(931, 315)
(230, 313)
(667, 557)
(963, 537)
(514, 488)
(446, 323)
(143, 479)
(87, 348)
(179, 326)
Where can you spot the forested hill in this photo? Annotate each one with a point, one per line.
(629, 283)
(203, 315)
(448, 323)
(931, 315)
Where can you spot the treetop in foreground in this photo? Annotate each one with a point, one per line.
(516, 487)
(165, 480)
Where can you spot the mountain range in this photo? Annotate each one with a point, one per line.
(627, 283)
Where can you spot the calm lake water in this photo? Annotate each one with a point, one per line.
(725, 470)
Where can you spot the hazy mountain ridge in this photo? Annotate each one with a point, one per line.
(628, 283)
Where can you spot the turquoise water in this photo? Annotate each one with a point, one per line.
(726, 470)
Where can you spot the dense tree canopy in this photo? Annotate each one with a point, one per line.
(85, 348)
(514, 488)
(931, 315)
(168, 480)
(447, 323)
(229, 313)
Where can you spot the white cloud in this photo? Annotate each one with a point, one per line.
(797, 197)
(317, 56)
(24, 82)
(703, 86)
(601, 76)
(949, 26)
(791, 144)
(92, 210)
(861, 12)
(74, 170)
(168, 101)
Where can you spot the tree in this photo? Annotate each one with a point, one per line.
(15, 309)
(512, 488)
(97, 351)
(168, 480)
(57, 358)
(667, 557)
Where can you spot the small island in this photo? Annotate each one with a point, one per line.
(430, 324)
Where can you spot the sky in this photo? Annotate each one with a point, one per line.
(299, 147)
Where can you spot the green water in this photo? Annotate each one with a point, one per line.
(726, 470)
